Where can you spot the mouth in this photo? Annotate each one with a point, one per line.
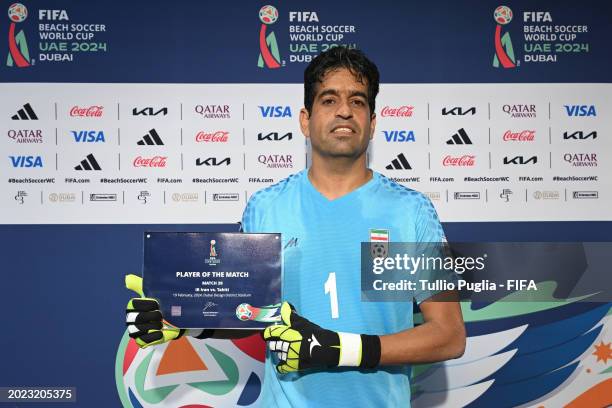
(343, 130)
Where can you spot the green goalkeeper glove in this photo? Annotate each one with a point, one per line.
(301, 344)
(145, 322)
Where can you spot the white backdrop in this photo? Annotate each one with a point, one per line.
(487, 190)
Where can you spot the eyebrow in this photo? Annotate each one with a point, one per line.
(336, 93)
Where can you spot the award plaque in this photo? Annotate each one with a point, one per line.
(214, 280)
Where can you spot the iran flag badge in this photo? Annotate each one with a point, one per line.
(379, 243)
(379, 235)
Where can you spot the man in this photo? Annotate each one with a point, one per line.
(357, 353)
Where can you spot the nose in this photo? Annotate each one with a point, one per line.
(344, 110)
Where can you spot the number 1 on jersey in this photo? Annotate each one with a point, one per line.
(330, 287)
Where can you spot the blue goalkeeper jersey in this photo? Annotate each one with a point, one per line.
(321, 250)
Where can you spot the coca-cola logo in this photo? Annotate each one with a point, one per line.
(467, 160)
(523, 136)
(94, 111)
(218, 136)
(155, 161)
(403, 111)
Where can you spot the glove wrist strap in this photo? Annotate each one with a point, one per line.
(370, 351)
(359, 350)
(350, 349)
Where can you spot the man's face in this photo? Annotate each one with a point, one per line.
(340, 123)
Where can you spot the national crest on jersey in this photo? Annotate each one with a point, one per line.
(379, 242)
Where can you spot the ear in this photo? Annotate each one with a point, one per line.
(304, 122)
(372, 125)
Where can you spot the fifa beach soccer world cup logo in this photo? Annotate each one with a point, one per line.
(213, 250)
(504, 53)
(18, 54)
(269, 56)
(212, 254)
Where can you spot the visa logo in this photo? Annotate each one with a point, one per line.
(580, 110)
(88, 136)
(26, 161)
(399, 135)
(275, 111)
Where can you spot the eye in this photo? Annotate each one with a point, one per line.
(327, 101)
(359, 102)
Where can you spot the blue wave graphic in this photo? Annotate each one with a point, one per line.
(541, 362)
(559, 332)
(562, 312)
(511, 395)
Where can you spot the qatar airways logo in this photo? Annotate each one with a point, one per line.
(155, 161)
(26, 135)
(404, 111)
(522, 136)
(520, 111)
(220, 136)
(94, 111)
(213, 111)
(467, 160)
(276, 161)
(581, 159)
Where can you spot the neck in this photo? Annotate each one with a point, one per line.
(335, 178)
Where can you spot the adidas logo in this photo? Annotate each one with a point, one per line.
(152, 138)
(27, 113)
(88, 163)
(399, 163)
(459, 138)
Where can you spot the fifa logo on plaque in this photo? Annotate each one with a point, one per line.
(212, 253)
(213, 250)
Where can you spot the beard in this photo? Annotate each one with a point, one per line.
(339, 147)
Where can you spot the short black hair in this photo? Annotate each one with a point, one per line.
(335, 58)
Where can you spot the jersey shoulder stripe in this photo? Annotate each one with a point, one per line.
(409, 194)
(428, 227)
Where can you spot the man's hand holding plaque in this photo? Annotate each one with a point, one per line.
(301, 345)
(145, 321)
